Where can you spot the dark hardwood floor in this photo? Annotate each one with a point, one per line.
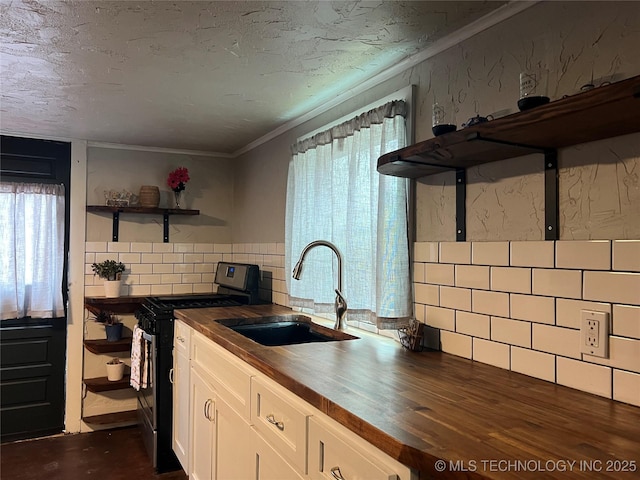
(117, 454)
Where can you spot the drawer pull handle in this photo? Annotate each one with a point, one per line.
(336, 473)
(207, 410)
(171, 376)
(272, 420)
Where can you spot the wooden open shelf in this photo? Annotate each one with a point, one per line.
(128, 417)
(122, 305)
(100, 347)
(600, 113)
(102, 384)
(116, 211)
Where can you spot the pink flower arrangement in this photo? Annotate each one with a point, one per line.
(178, 178)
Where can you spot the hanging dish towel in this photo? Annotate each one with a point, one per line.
(137, 352)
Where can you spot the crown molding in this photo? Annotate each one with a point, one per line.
(493, 18)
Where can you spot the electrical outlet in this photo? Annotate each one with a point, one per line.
(594, 333)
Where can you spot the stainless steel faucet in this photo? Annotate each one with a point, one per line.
(340, 303)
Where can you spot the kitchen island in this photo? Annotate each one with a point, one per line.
(441, 415)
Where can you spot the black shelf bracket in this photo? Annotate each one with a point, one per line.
(165, 223)
(461, 205)
(116, 226)
(551, 207)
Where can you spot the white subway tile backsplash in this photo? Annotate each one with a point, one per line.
(533, 308)
(208, 278)
(140, 290)
(473, 324)
(203, 247)
(557, 283)
(203, 268)
(182, 289)
(456, 298)
(141, 268)
(558, 340)
(585, 255)
(456, 344)
(161, 289)
(101, 257)
(203, 288)
(533, 363)
(427, 294)
(95, 247)
(191, 278)
(455, 252)
(222, 248)
(151, 258)
(626, 255)
(163, 268)
(170, 278)
(623, 354)
(129, 258)
(513, 332)
(183, 247)
(419, 312)
(568, 311)
(438, 317)
(193, 258)
(173, 257)
(182, 268)
(472, 276)
(118, 247)
(162, 248)
(614, 287)
(212, 258)
(532, 254)
(425, 252)
(439, 274)
(584, 376)
(493, 353)
(141, 247)
(626, 321)
(490, 303)
(89, 258)
(511, 279)
(490, 253)
(150, 279)
(94, 290)
(418, 272)
(626, 387)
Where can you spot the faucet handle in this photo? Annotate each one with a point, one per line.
(341, 310)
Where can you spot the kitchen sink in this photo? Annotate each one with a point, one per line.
(279, 330)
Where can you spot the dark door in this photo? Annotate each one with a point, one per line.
(33, 351)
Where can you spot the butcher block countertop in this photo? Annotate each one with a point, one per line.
(445, 416)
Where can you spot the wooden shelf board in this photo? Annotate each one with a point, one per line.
(103, 346)
(102, 384)
(603, 112)
(141, 210)
(117, 418)
(128, 304)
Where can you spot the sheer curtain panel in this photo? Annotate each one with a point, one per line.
(31, 250)
(335, 193)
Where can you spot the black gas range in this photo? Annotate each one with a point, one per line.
(237, 285)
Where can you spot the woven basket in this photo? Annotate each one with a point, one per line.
(149, 196)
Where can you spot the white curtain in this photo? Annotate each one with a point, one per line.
(31, 250)
(335, 193)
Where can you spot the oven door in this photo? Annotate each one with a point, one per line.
(146, 401)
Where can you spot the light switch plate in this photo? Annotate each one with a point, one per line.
(594, 333)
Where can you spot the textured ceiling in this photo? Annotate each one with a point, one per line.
(206, 76)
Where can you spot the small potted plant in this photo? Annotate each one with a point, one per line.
(111, 272)
(115, 369)
(112, 325)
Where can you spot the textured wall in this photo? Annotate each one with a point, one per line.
(599, 184)
(209, 190)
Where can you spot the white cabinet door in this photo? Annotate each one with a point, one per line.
(181, 420)
(269, 465)
(203, 428)
(234, 457)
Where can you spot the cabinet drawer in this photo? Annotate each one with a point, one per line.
(181, 337)
(229, 376)
(334, 448)
(281, 418)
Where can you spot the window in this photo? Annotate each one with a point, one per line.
(31, 250)
(335, 193)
